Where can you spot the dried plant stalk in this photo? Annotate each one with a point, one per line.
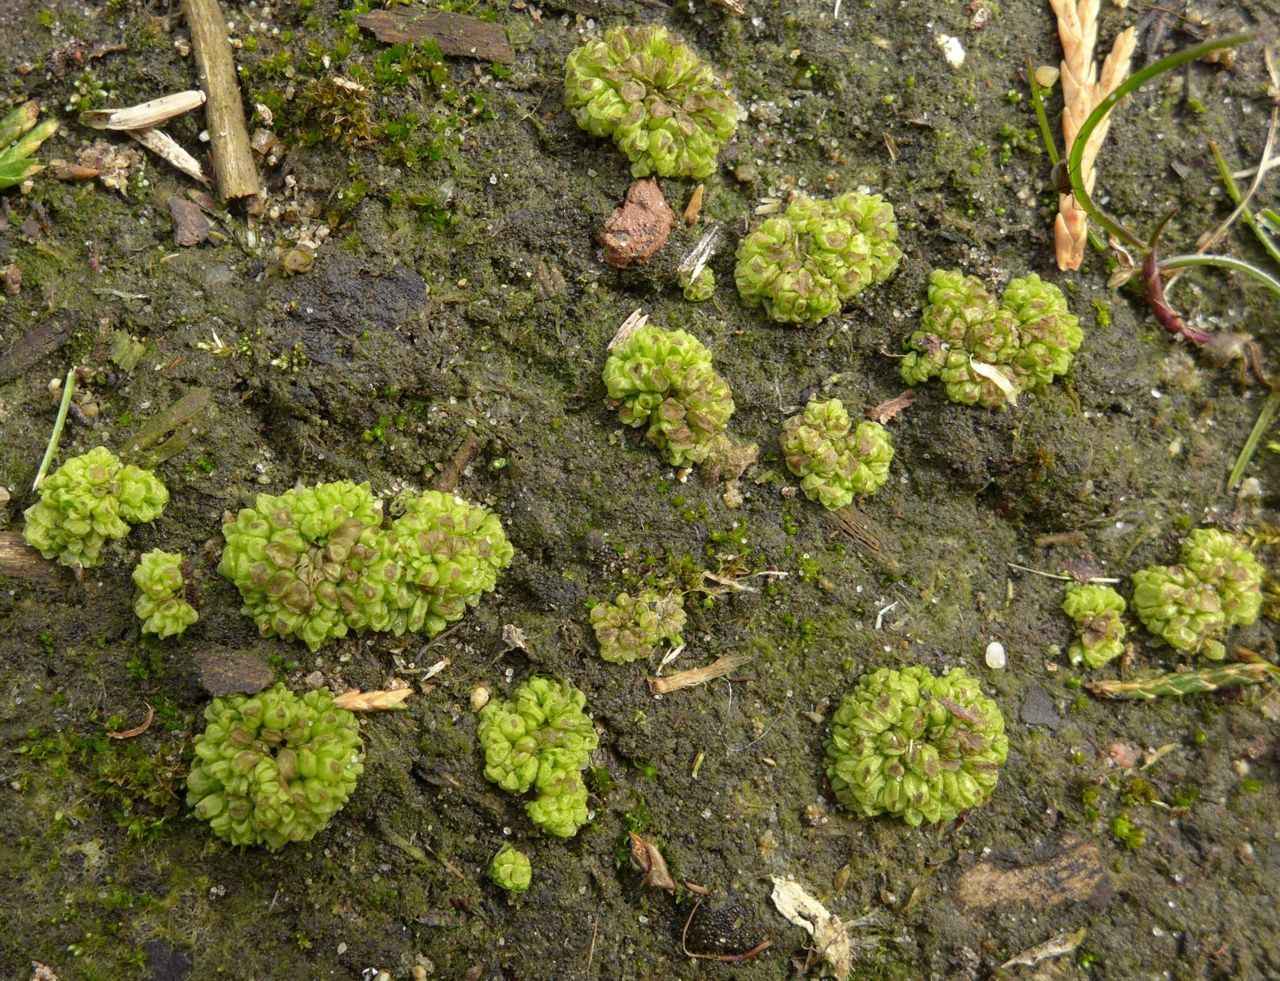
(228, 134)
(1082, 90)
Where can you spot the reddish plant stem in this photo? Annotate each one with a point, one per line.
(1153, 289)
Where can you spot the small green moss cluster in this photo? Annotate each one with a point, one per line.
(161, 602)
(648, 91)
(511, 870)
(836, 460)
(540, 739)
(663, 380)
(802, 266)
(986, 351)
(274, 767)
(1098, 611)
(314, 563)
(699, 288)
(1216, 586)
(86, 502)
(631, 628)
(908, 743)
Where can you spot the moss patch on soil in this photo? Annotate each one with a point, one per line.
(457, 297)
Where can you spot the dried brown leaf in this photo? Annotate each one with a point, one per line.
(886, 410)
(647, 860)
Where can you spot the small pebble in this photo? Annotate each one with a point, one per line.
(479, 698)
(995, 656)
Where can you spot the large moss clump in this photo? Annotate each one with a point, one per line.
(802, 266)
(659, 103)
(161, 602)
(540, 739)
(88, 501)
(908, 743)
(986, 352)
(1216, 586)
(663, 381)
(274, 767)
(836, 460)
(315, 562)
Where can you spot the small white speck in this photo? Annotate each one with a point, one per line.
(952, 49)
(995, 656)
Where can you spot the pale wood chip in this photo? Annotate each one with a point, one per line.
(144, 115)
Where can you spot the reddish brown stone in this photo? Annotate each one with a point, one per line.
(638, 227)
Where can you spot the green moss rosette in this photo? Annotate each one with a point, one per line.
(700, 288)
(511, 870)
(911, 744)
(315, 563)
(986, 352)
(161, 601)
(274, 767)
(540, 739)
(663, 381)
(88, 501)
(659, 103)
(802, 266)
(297, 560)
(836, 460)
(450, 553)
(632, 627)
(1098, 612)
(1216, 586)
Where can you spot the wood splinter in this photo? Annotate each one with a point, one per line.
(224, 113)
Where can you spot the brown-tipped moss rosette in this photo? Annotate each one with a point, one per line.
(988, 351)
(274, 767)
(1216, 586)
(661, 105)
(663, 381)
(315, 562)
(161, 603)
(1098, 612)
(836, 460)
(540, 739)
(920, 747)
(632, 627)
(804, 265)
(88, 501)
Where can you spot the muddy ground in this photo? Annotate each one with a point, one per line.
(459, 300)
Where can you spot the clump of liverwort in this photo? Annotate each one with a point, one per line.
(511, 870)
(274, 767)
(911, 744)
(987, 352)
(805, 264)
(315, 562)
(88, 501)
(161, 602)
(632, 627)
(659, 103)
(1098, 611)
(540, 739)
(663, 381)
(1216, 586)
(836, 460)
